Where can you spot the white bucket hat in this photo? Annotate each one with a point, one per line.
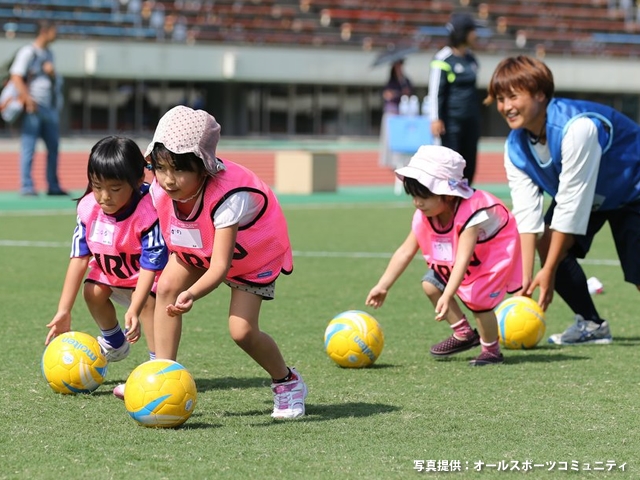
(184, 130)
(440, 169)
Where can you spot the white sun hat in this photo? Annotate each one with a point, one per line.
(184, 130)
(440, 169)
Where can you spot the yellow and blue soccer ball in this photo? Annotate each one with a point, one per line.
(73, 363)
(160, 393)
(353, 339)
(521, 323)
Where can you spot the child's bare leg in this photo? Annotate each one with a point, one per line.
(175, 278)
(112, 339)
(487, 326)
(454, 313)
(463, 337)
(244, 312)
(100, 306)
(146, 320)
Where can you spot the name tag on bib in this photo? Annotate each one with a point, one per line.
(442, 249)
(102, 232)
(186, 237)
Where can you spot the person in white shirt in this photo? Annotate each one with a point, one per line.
(38, 84)
(586, 156)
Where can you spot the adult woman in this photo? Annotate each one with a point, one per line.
(397, 86)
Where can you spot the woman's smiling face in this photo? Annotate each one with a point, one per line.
(521, 109)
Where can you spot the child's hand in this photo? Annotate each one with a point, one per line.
(442, 308)
(376, 297)
(132, 327)
(60, 324)
(183, 304)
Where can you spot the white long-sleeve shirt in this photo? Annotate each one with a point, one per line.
(581, 155)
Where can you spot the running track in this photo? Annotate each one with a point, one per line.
(355, 168)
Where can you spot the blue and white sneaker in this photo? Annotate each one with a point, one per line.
(114, 354)
(583, 332)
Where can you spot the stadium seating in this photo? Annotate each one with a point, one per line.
(572, 27)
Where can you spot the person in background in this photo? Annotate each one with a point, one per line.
(586, 156)
(453, 104)
(34, 75)
(470, 242)
(397, 86)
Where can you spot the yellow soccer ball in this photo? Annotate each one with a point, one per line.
(73, 363)
(521, 323)
(160, 393)
(353, 339)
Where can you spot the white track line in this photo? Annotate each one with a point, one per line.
(33, 244)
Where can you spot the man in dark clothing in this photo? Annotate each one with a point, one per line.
(453, 104)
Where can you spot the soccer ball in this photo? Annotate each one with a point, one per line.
(353, 339)
(73, 363)
(521, 323)
(160, 393)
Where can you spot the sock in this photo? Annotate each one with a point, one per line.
(493, 347)
(571, 285)
(114, 337)
(152, 355)
(288, 378)
(462, 330)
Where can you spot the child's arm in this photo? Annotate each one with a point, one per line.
(464, 253)
(153, 259)
(224, 244)
(61, 322)
(138, 299)
(398, 263)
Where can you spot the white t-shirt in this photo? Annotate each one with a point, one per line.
(240, 208)
(28, 64)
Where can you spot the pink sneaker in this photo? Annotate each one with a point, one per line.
(118, 392)
(288, 401)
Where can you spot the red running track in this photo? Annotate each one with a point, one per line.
(355, 168)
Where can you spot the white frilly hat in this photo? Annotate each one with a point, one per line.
(184, 130)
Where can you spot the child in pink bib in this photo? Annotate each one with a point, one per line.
(222, 224)
(118, 245)
(471, 244)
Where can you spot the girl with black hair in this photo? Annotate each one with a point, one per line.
(117, 243)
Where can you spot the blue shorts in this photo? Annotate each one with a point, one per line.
(625, 228)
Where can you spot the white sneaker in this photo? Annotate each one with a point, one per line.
(288, 401)
(114, 354)
(583, 332)
(118, 392)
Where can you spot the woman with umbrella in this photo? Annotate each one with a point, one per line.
(396, 87)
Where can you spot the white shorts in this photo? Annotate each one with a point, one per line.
(267, 292)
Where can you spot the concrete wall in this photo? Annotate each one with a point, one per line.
(138, 60)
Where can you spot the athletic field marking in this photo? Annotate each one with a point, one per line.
(33, 244)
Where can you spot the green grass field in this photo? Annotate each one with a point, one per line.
(557, 408)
